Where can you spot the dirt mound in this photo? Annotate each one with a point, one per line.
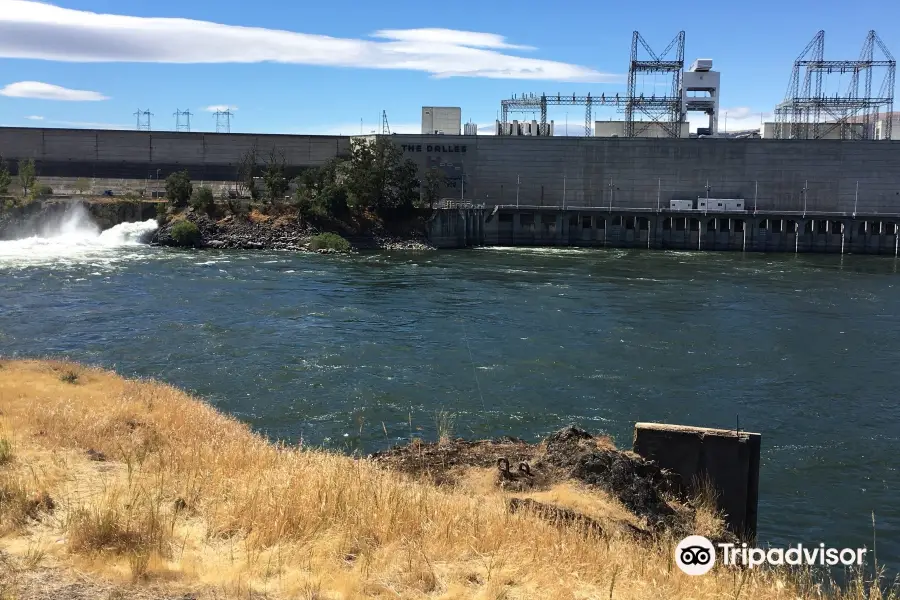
(570, 454)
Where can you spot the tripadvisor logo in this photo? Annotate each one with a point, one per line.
(696, 555)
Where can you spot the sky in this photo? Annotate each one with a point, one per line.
(332, 67)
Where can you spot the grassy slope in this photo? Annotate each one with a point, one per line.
(190, 499)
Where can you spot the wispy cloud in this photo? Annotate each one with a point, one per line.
(739, 118)
(47, 91)
(88, 125)
(35, 30)
(220, 108)
(34, 118)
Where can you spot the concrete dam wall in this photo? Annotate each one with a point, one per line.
(829, 176)
(782, 175)
(138, 154)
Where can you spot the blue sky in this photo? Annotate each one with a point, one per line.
(79, 63)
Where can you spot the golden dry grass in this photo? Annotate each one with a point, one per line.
(188, 498)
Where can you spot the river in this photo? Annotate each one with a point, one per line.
(359, 352)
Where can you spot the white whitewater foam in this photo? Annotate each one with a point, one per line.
(76, 239)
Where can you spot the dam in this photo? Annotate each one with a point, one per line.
(825, 176)
(800, 195)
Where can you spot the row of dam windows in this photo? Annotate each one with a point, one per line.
(817, 227)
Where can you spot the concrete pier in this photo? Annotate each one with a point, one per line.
(769, 231)
(728, 459)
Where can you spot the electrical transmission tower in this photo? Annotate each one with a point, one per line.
(223, 120)
(810, 111)
(143, 119)
(385, 128)
(644, 68)
(182, 120)
(664, 109)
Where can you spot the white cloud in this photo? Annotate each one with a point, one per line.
(34, 30)
(34, 118)
(354, 128)
(740, 118)
(220, 108)
(47, 91)
(88, 125)
(450, 37)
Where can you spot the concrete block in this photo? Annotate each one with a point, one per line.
(727, 458)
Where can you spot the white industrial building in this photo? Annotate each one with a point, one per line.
(441, 120)
(700, 93)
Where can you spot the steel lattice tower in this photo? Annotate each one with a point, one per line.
(184, 125)
(664, 109)
(808, 112)
(223, 120)
(143, 119)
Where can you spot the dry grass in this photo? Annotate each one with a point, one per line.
(188, 498)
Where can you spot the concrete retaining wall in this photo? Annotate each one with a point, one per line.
(726, 458)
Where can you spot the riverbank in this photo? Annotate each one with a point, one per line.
(286, 231)
(119, 488)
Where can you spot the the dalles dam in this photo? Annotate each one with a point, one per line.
(337, 350)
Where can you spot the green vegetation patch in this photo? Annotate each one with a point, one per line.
(185, 233)
(330, 241)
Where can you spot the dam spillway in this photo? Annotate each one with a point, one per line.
(760, 231)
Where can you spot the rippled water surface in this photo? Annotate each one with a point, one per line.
(339, 349)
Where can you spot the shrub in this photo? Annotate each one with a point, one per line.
(179, 188)
(202, 200)
(330, 241)
(42, 189)
(185, 233)
(162, 213)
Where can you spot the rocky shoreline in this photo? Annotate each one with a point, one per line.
(240, 233)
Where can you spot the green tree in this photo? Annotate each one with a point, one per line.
(27, 175)
(432, 185)
(379, 179)
(203, 200)
(277, 184)
(82, 185)
(5, 177)
(179, 188)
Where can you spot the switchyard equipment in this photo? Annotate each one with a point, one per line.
(665, 110)
(644, 111)
(808, 112)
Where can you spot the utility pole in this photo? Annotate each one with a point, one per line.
(564, 192)
(610, 193)
(517, 190)
(707, 197)
(805, 191)
(856, 200)
(755, 196)
(658, 192)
